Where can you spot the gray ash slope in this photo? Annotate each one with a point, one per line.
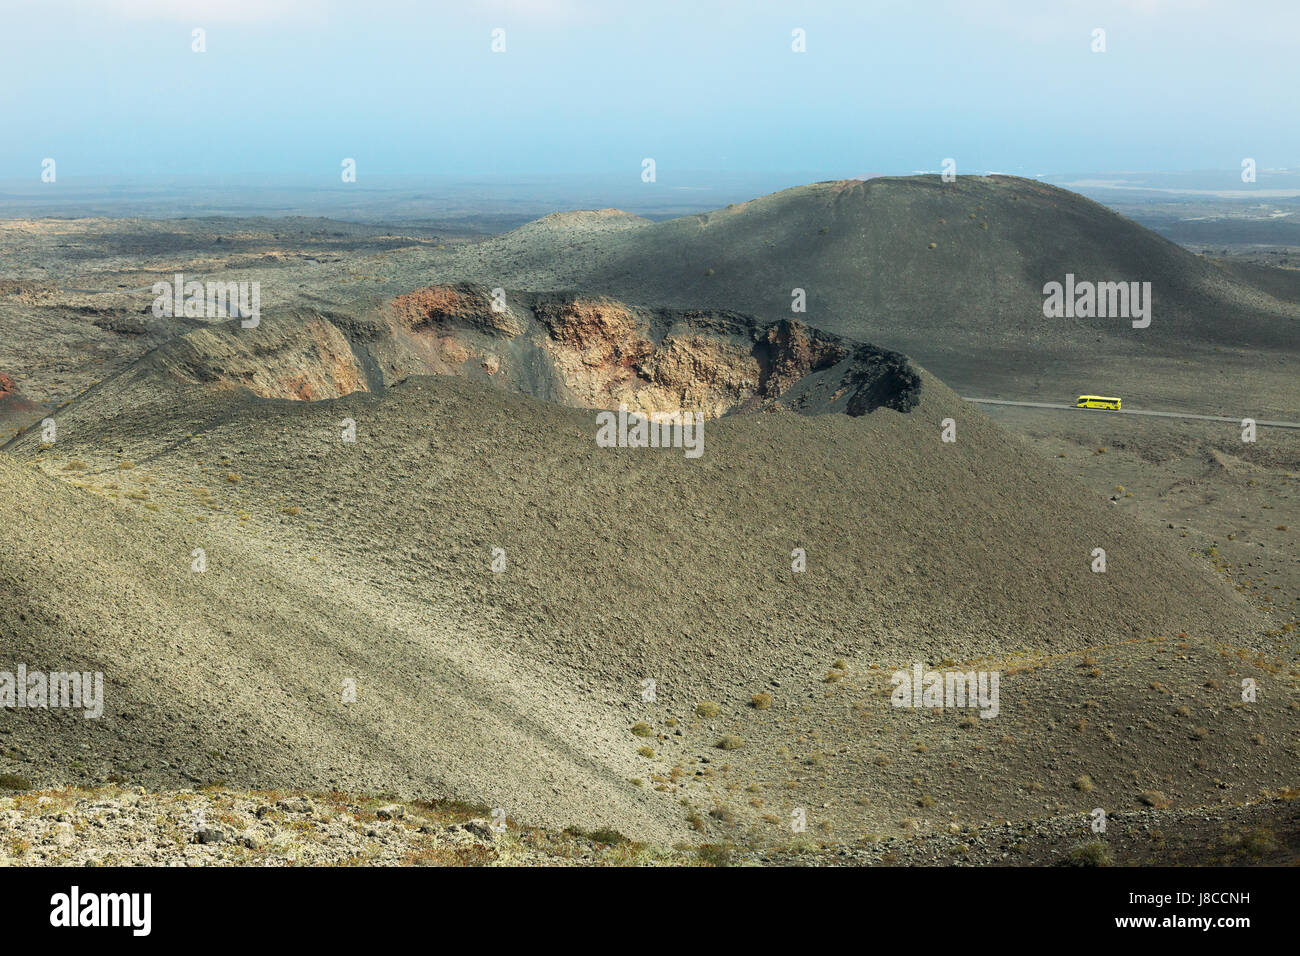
(372, 562)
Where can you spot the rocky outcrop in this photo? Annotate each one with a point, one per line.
(306, 359)
(596, 352)
(577, 350)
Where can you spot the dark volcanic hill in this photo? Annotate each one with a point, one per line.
(951, 274)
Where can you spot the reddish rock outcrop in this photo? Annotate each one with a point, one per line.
(583, 351)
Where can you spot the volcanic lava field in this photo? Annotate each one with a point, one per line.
(363, 583)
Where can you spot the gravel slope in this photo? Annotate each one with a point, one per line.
(373, 561)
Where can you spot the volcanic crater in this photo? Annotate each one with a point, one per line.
(579, 351)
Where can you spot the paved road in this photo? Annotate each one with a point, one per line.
(1131, 411)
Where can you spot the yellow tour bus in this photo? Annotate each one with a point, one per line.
(1097, 401)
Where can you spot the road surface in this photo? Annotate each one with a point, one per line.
(1132, 411)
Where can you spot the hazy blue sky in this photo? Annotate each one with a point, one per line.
(290, 87)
